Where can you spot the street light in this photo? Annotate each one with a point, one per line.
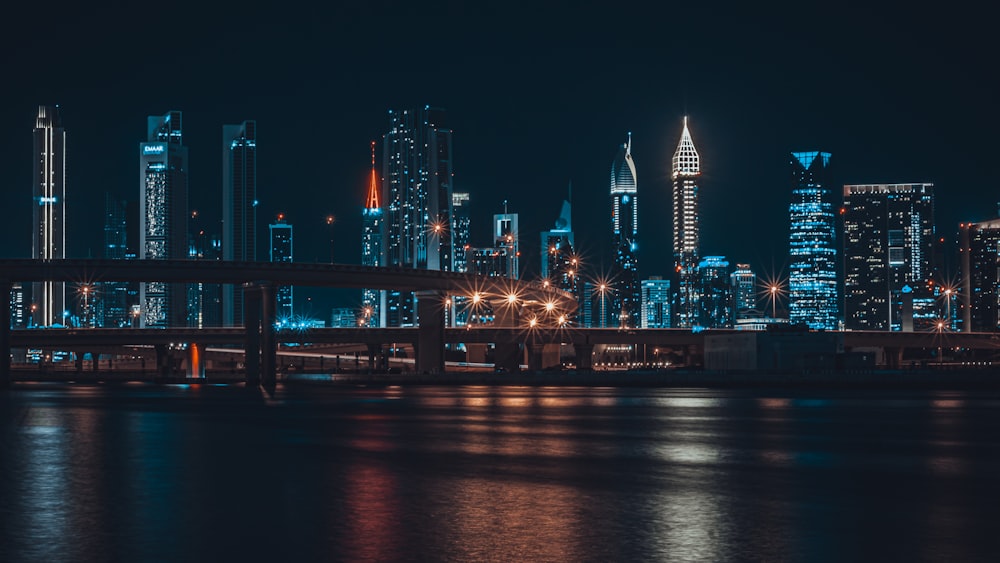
(330, 219)
(602, 288)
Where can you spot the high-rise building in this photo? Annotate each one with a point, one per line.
(493, 262)
(48, 241)
(888, 254)
(655, 303)
(281, 251)
(461, 238)
(417, 189)
(371, 245)
(17, 310)
(685, 171)
(117, 297)
(625, 231)
(239, 208)
(560, 263)
(744, 287)
(505, 236)
(204, 301)
(980, 255)
(163, 217)
(715, 292)
(812, 279)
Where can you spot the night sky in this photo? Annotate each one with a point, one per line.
(536, 98)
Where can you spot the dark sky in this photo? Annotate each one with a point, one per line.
(537, 97)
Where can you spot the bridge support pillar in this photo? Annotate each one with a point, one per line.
(251, 339)
(542, 356)
(584, 356)
(507, 355)
(475, 353)
(268, 341)
(430, 334)
(374, 352)
(196, 361)
(893, 356)
(162, 361)
(5, 289)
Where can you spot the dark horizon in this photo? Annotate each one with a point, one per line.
(896, 98)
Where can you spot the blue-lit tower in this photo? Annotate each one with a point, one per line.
(715, 292)
(655, 303)
(560, 263)
(627, 296)
(163, 217)
(812, 279)
(281, 251)
(371, 245)
(685, 171)
(239, 208)
(48, 299)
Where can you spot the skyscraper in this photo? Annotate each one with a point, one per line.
(744, 284)
(625, 230)
(655, 303)
(812, 280)
(685, 171)
(463, 227)
(48, 240)
(505, 236)
(417, 175)
(559, 261)
(980, 254)
(239, 208)
(715, 292)
(371, 244)
(116, 296)
(888, 254)
(163, 217)
(281, 251)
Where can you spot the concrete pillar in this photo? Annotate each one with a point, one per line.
(475, 353)
(507, 355)
(584, 356)
(251, 339)
(374, 351)
(893, 356)
(535, 350)
(162, 361)
(5, 289)
(430, 333)
(268, 341)
(95, 359)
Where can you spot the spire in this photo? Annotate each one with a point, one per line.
(628, 145)
(686, 161)
(623, 178)
(373, 200)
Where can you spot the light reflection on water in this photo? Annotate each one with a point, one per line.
(494, 474)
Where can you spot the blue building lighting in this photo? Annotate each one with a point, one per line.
(812, 281)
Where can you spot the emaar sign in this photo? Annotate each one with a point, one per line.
(154, 149)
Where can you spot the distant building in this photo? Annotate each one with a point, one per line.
(505, 236)
(655, 303)
(686, 170)
(888, 256)
(117, 297)
(625, 236)
(559, 260)
(163, 217)
(281, 244)
(18, 317)
(716, 292)
(461, 238)
(812, 280)
(239, 208)
(980, 266)
(204, 301)
(371, 245)
(417, 202)
(490, 261)
(48, 206)
(343, 318)
(744, 287)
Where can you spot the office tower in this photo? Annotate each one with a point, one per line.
(655, 303)
(715, 292)
(163, 217)
(812, 280)
(493, 262)
(417, 202)
(463, 228)
(239, 208)
(344, 317)
(744, 287)
(888, 253)
(116, 296)
(371, 245)
(17, 311)
(505, 236)
(48, 241)
(204, 300)
(979, 297)
(281, 251)
(625, 231)
(685, 171)
(560, 263)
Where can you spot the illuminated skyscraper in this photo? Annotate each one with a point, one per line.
(239, 208)
(655, 303)
(625, 228)
(560, 263)
(980, 298)
(888, 256)
(281, 251)
(463, 227)
(715, 292)
(163, 217)
(371, 244)
(685, 171)
(812, 280)
(117, 297)
(417, 202)
(505, 236)
(744, 284)
(48, 241)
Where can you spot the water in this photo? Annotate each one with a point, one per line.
(203, 473)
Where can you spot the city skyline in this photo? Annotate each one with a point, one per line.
(874, 106)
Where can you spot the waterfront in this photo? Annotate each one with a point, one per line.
(199, 472)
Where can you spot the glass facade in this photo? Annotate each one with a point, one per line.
(812, 280)
(48, 299)
(626, 297)
(239, 208)
(371, 245)
(559, 260)
(655, 303)
(505, 237)
(716, 293)
(744, 284)
(685, 172)
(888, 238)
(979, 297)
(282, 251)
